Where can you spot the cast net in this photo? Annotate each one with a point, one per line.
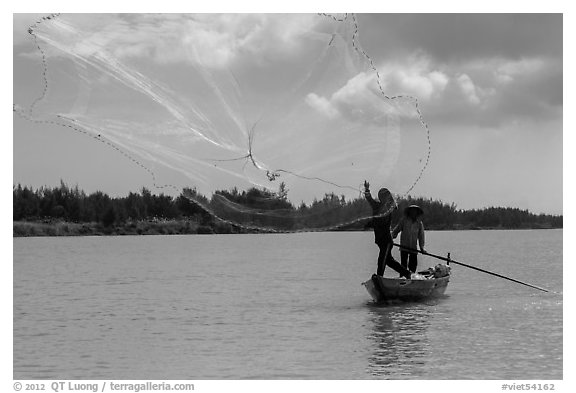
(268, 122)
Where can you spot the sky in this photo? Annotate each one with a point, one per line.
(489, 88)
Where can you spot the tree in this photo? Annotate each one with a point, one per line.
(109, 217)
(283, 192)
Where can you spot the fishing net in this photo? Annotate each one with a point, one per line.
(265, 121)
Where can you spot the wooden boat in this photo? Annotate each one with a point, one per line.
(428, 284)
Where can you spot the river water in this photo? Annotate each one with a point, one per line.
(285, 306)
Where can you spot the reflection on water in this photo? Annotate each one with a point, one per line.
(399, 340)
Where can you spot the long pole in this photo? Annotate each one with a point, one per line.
(470, 267)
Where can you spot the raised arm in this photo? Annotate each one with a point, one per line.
(368, 196)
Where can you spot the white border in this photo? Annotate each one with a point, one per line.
(298, 6)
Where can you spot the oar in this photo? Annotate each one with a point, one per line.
(471, 267)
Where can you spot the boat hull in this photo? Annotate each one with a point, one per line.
(385, 289)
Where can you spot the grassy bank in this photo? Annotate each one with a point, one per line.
(165, 227)
(63, 228)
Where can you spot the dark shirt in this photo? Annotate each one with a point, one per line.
(381, 224)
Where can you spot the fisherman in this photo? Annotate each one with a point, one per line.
(382, 212)
(412, 230)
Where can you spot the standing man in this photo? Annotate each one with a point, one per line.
(412, 230)
(382, 217)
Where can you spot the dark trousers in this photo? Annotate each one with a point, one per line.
(409, 260)
(385, 259)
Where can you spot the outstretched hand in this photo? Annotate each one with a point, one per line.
(366, 186)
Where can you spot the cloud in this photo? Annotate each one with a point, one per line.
(446, 61)
(501, 68)
(211, 40)
(468, 89)
(417, 76)
(485, 91)
(322, 105)
(500, 90)
(505, 71)
(360, 98)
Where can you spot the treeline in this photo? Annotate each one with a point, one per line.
(254, 208)
(74, 205)
(440, 215)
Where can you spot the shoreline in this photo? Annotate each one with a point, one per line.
(176, 227)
